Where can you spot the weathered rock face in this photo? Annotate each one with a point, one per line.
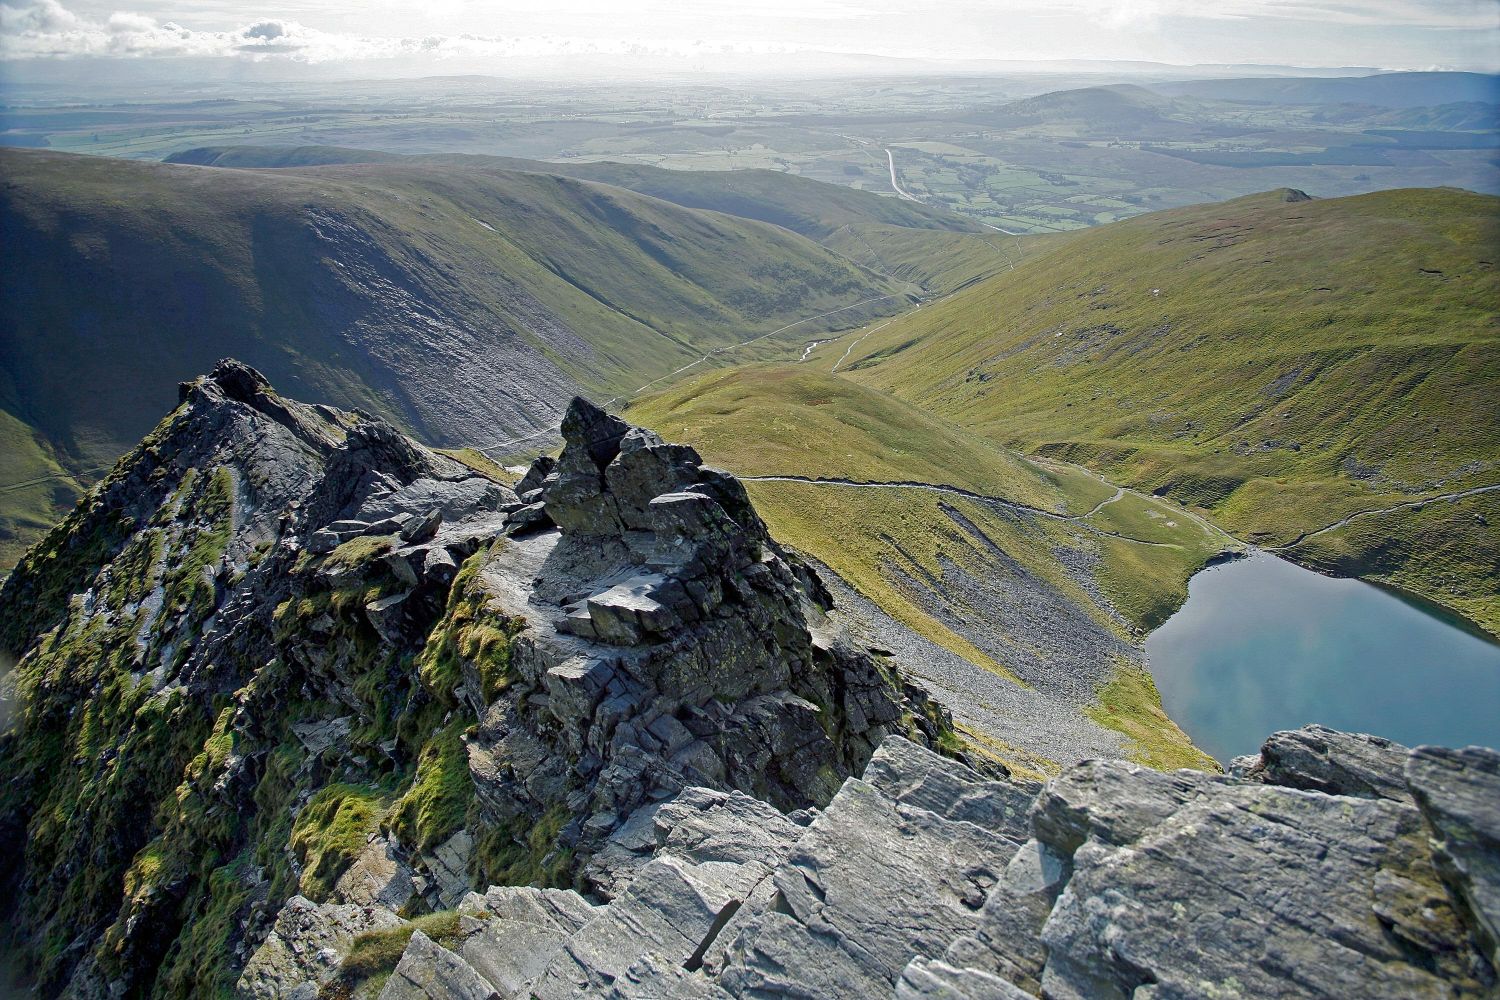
(213, 639)
(716, 894)
(1189, 884)
(669, 642)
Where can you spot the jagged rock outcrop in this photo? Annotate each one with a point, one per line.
(668, 642)
(1189, 884)
(924, 879)
(191, 659)
(299, 675)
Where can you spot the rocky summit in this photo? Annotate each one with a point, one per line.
(304, 709)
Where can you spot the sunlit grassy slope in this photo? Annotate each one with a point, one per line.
(941, 262)
(1281, 363)
(930, 247)
(769, 421)
(34, 487)
(762, 421)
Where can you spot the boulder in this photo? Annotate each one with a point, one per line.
(1182, 879)
(528, 519)
(536, 474)
(379, 876)
(1326, 760)
(422, 528)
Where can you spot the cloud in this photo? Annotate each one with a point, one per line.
(442, 29)
(45, 29)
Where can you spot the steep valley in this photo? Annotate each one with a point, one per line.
(465, 302)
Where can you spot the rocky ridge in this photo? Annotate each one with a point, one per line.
(304, 675)
(922, 879)
(307, 710)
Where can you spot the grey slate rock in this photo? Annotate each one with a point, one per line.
(524, 932)
(646, 941)
(422, 528)
(696, 825)
(1195, 883)
(511, 954)
(453, 499)
(379, 876)
(669, 643)
(1458, 792)
(428, 971)
(536, 474)
(1325, 760)
(872, 883)
(926, 979)
(1008, 938)
(915, 776)
(560, 909)
(530, 518)
(306, 945)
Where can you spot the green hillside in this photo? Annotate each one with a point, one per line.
(800, 204)
(1281, 363)
(466, 305)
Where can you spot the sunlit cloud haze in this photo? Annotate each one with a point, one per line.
(472, 35)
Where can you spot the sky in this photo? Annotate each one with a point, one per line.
(450, 36)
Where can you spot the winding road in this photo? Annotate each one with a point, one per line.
(1119, 492)
(891, 159)
(850, 349)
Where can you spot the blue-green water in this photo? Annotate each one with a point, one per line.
(1263, 645)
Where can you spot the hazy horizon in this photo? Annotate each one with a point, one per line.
(52, 40)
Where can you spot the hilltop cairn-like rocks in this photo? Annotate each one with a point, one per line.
(669, 642)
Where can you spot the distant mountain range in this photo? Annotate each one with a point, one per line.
(1386, 90)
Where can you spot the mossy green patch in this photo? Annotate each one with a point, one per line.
(374, 954)
(201, 962)
(329, 833)
(358, 551)
(208, 511)
(524, 852)
(468, 634)
(482, 464)
(435, 805)
(1129, 703)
